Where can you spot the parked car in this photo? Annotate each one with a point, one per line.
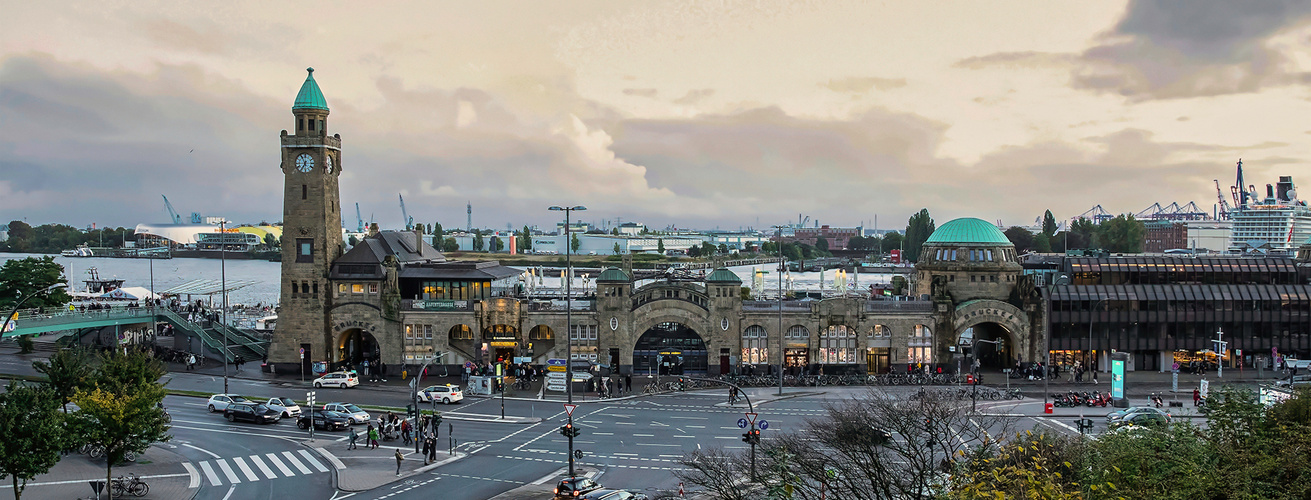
(447, 394)
(219, 402)
(339, 379)
(1120, 414)
(250, 412)
(285, 406)
(354, 413)
(324, 419)
(612, 495)
(573, 487)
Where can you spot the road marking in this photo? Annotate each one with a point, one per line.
(193, 474)
(660, 444)
(245, 469)
(604, 433)
(625, 454)
(331, 458)
(310, 458)
(263, 468)
(644, 435)
(227, 471)
(292, 458)
(281, 466)
(690, 418)
(625, 423)
(680, 436)
(550, 476)
(230, 490)
(209, 474)
(202, 450)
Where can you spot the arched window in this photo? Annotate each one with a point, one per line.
(755, 345)
(837, 345)
(461, 332)
(797, 333)
(920, 345)
(880, 332)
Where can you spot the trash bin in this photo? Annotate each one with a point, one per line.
(1048, 408)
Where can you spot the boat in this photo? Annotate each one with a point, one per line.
(80, 251)
(1276, 224)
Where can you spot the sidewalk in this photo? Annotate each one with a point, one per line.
(364, 469)
(161, 469)
(1137, 384)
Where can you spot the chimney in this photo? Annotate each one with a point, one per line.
(373, 230)
(418, 239)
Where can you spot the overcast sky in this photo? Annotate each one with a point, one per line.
(696, 114)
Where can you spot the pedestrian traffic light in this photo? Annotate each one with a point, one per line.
(409, 410)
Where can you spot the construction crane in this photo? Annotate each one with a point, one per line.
(360, 218)
(172, 214)
(802, 222)
(409, 221)
(1223, 207)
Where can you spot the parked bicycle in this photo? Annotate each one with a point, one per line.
(130, 484)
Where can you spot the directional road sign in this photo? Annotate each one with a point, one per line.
(555, 387)
(555, 375)
(764, 425)
(569, 409)
(741, 423)
(581, 376)
(555, 362)
(555, 369)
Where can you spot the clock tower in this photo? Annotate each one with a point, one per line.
(311, 232)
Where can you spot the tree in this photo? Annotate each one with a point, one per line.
(477, 240)
(437, 229)
(450, 245)
(723, 248)
(1042, 243)
(33, 430)
(575, 243)
(694, 251)
(918, 229)
(1085, 230)
(20, 278)
(660, 245)
(1123, 234)
(270, 241)
(1031, 465)
(1048, 224)
(791, 252)
(821, 244)
(123, 411)
(614, 231)
(67, 371)
(437, 240)
(891, 241)
(616, 249)
(355, 240)
(1020, 237)
(497, 244)
(526, 240)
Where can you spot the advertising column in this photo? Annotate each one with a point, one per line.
(1118, 361)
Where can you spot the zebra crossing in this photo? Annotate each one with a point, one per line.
(237, 470)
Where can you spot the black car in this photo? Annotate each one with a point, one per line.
(323, 419)
(612, 495)
(259, 414)
(573, 487)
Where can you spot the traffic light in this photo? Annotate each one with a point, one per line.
(751, 437)
(568, 430)
(409, 410)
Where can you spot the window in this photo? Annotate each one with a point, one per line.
(304, 250)
(920, 345)
(880, 331)
(837, 345)
(409, 331)
(755, 345)
(295, 288)
(357, 287)
(341, 288)
(300, 124)
(304, 192)
(311, 123)
(797, 332)
(461, 332)
(373, 288)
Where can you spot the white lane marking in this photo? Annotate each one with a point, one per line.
(310, 458)
(193, 473)
(245, 469)
(292, 458)
(281, 466)
(209, 474)
(659, 444)
(644, 435)
(263, 468)
(230, 490)
(690, 418)
(331, 458)
(604, 433)
(202, 450)
(227, 471)
(550, 476)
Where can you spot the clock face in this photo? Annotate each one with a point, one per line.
(327, 163)
(305, 163)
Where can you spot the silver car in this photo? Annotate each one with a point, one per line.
(350, 411)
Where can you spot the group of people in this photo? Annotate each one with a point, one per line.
(1076, 373)
(390, 424)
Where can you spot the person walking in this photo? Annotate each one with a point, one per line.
(373, 437)
(1197, 396)
(628, 382)
(355, 436)
(432, 449)
(191, 362)
(399, 458)
(427, 445)
(405, 432)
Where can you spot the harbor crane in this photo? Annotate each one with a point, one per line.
(1223, 207)
(359, 218)
(172, 214)
(409, 221)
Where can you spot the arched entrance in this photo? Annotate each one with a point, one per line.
(991, 344)
(501, 343)
(358, 349)
(670, 349)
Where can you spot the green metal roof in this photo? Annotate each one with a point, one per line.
(310, 97)
(723, 275)
(970, 231)
(612, 274)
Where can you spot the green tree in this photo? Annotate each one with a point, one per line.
(821, 244)
(20, 278)
(660, 245)
(270, 241)
(497, 244)
(723, 248)
(1123, 234)
(1020, 237)
(477, 240)
(67, 371)
(526, 240)
(614, 231)
(123, 411)
(616, 249)
(450, 245)
(918, 229)
(1042, 243)
(575, 243)
(437, 241)
(694, 251)
(1085, 231)
(33, 430)
(891, 241)
(1048, 224)
(791, 252)
(437, 229)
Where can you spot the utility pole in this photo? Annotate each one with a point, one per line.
(569, 429)
(1220, 348)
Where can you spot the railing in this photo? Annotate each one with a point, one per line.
(769, 305)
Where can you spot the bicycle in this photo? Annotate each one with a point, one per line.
(130, 484)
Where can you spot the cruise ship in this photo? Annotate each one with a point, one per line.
(1276, 224)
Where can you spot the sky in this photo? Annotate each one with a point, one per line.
(694, 114)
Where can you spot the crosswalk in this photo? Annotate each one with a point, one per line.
(237, 470)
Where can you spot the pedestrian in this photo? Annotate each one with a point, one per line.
(405, 432)
(191, 362)
(427, 445)
(628, 382)
(355, 436)
(1094, 373)
(373, 437)
(432, 449)
(399, 458)
(1197, 396)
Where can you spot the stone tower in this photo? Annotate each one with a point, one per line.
(311, 231)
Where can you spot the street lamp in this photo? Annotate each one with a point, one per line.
(22, 299)
(782, 264)
(568, 320)
(1092, 364)
(223, 284)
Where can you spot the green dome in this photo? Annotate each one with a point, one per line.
(723, 275)
(968, 231)
(310, 97)
(612, 274)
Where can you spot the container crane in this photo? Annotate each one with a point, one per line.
(409, 221)
(1223, 207)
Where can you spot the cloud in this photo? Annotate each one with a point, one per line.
(861, 85)
(648, 93)
(694, 96)
(1178, 49)
(1025, 59)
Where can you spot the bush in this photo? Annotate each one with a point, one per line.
(25, 344)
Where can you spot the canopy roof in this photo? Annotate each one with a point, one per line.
(207, 287)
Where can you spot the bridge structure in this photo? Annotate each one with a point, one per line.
(210, 334)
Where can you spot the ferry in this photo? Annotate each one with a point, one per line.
(80, 251)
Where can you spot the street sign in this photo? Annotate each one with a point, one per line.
(741, 423)
(555, 362)
(555, 387)
(414, 383)
(751, 418)
(582, 376)
(555, 375)
(569, 409)
(555, 369)
(764, 425)
(302, 352)
(578, 454)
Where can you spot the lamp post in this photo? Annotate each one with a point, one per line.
(568, 320)
(8, 317)
(223, 285)
(1092, 363)
(782, 264)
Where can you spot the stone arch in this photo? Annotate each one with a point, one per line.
(1013, 322)
(359, 349)
(669, 347)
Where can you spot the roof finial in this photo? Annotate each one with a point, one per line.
(311, 70)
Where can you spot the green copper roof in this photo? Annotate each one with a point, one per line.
(723, 275)
(310, 97)
(612, 274)
(968, 231)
